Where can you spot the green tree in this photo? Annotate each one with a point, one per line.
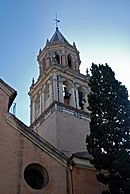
(108, 142)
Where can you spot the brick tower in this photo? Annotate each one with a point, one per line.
(58, 106)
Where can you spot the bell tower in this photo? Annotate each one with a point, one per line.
(58, 109)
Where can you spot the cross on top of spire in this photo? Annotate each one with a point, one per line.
(56, 21)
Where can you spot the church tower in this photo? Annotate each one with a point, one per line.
(58, 109)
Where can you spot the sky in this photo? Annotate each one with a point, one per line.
(100, 29)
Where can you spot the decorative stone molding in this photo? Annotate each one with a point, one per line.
(60, 107)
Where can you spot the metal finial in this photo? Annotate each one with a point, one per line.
(87, 71)
(33, 81)
(40, 51)
(47, 41)
(56, 21)
(74, 44)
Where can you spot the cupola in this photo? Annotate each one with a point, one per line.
(58, 51)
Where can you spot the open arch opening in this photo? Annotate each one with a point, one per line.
(57, 58)
(69, 60)
(82, 99)
(66, 94)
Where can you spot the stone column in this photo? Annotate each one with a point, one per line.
(50, 92)
(76, 95)
(61, 99)
(55, 95)
(40, 94)
(48, 63)
(42, 99)
(63, 61)
(72, 98)
(33, 109)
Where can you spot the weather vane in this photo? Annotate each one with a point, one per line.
(56, 21)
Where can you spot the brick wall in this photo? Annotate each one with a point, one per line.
(16, 152)
(84, 181)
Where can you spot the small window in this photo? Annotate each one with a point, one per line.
(69, 61)
(36, 176)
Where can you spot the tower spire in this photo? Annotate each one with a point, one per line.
(56, 21)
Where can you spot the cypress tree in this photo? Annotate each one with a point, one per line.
(109, 139)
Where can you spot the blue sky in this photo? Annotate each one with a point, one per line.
(100, 29)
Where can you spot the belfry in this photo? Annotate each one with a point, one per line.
(59, 97)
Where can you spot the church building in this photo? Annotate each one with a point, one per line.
(49, 156)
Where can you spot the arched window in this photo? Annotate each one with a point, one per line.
(69, 61)
(57, 58)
